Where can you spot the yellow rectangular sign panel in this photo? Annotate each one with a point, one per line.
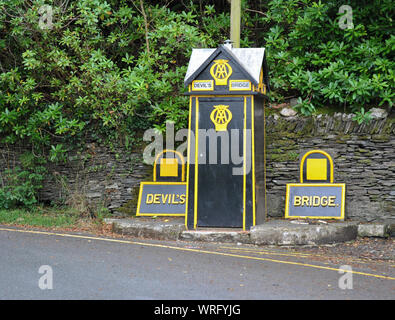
(316, 169)
(168, 167)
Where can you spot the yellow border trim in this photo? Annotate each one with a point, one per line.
(195, 202)
(197, 152)
(253, 162)
(261, 86)
(177, 153)
(211, 81)
(245, 162)
(243, 89)
(342, 211)
(138, 214)
(316, 151)
(161, 215)
(221, 95)
(188, 159)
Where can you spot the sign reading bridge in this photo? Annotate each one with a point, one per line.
(315, 201)
(316, 196)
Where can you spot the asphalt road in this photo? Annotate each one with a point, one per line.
(88, 267)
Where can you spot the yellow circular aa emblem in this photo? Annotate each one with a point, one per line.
(221, 116)
(221, 71)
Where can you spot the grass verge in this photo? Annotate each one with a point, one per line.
(49, 218)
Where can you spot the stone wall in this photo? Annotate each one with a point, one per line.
(100, 174)
(364, 159)
(96, 175)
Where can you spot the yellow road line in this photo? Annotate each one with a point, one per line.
(195, 250)
(268, 252)
(260, 250)
(296, 255)
(292, 254)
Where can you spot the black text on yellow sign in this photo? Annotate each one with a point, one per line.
(160, 198)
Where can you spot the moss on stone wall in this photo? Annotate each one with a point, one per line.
(363, 156)
(283, 156)
(129, 208)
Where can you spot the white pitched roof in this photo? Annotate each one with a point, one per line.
(250, 59)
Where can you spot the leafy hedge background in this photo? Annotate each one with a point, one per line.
(109, 69)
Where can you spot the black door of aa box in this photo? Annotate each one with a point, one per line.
(220, 184)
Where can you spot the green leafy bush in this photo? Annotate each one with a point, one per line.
(18, 187)
(106, 68)
(112, 68)
(20, 184)
(362, 116)
(310, 56)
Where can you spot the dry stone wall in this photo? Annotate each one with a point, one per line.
(364, 159)
(97, 175)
